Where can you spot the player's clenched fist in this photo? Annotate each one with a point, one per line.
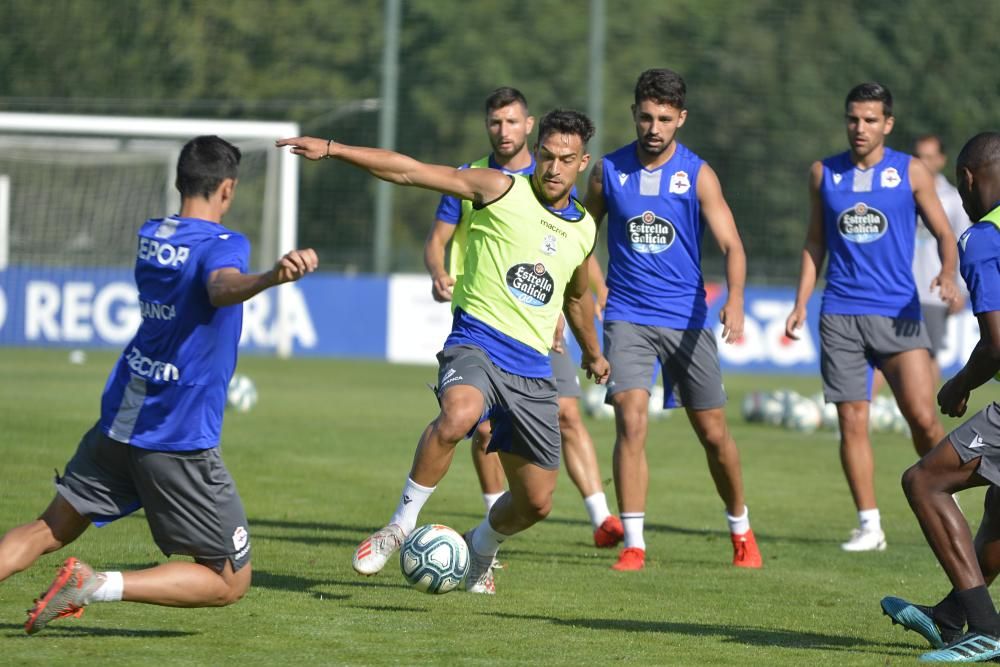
(295, 264)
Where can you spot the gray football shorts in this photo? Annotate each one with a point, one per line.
(523, 411)
(979, 436)
(564, 372)
(936, 321)
(852, 346)
(689, 357)
(191, 503)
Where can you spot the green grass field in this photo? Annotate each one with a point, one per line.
(320, 463)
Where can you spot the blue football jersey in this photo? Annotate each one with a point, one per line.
(654, 240)
(869, 223)
(979, 255)
(168, 390)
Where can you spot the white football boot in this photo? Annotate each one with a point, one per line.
(480, 576)
(372, 554)
(865, 540)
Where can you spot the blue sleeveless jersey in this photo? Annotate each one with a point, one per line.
(869, 223)
(168, 390)
(654, 240)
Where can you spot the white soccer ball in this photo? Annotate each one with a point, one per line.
(594, 405)
(831, 418)
(753, 406)
(880, 415)
(803, 415)
(772, 410)
(242, 393)
(434, 559)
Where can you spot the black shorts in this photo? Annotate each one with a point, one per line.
(190, 499)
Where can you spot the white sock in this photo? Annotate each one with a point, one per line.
(597, 508)
(870, 519)
(490, 499)
(111, 590)
(485, 540)
(739, 524)
(633, 523)
(411, 501)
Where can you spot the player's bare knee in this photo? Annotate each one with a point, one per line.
(534, 507)
(632, 428)
(922, 420)
(455, 422)
(538, 508)
(235, 585)
(714, 437)
(569, 422)
(914, 482)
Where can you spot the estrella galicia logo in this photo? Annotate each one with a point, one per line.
(649, 233)
(862, 223)
(531, 284)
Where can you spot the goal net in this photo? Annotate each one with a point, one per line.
(74, 190)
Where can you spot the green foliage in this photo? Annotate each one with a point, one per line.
(319, 464)
(766, 83)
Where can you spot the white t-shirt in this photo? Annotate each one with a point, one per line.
(926, 264)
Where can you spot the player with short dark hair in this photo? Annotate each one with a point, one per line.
(658, 196)
(508, 125)
(528, 243)
(155, 445)
(970, 455)
(863, 212)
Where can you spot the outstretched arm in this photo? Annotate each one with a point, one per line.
(478, 185)
(720, 222)
(578, 307)
(228, 286)
(925, 194)
(813, 254)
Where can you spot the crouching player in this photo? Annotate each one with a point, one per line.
(155, 445)
(965, 626)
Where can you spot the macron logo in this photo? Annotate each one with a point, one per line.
(977, 443)
(407, 500)
(224, 237)
(622, 178)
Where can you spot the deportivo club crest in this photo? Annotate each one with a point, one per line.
(862, 224)
(680, 183)
(549, 245)
(650, 234)
(890, 178)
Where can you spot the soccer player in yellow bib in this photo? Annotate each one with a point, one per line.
(965, 626)
(526, 254)
(508, 125)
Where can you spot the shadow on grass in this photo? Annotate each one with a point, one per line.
(763, 637)
(295, 584)
(91, 631)
(382, 608)
(283, 531)
(721, 533)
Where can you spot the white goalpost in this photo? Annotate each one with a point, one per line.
(74, 188)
